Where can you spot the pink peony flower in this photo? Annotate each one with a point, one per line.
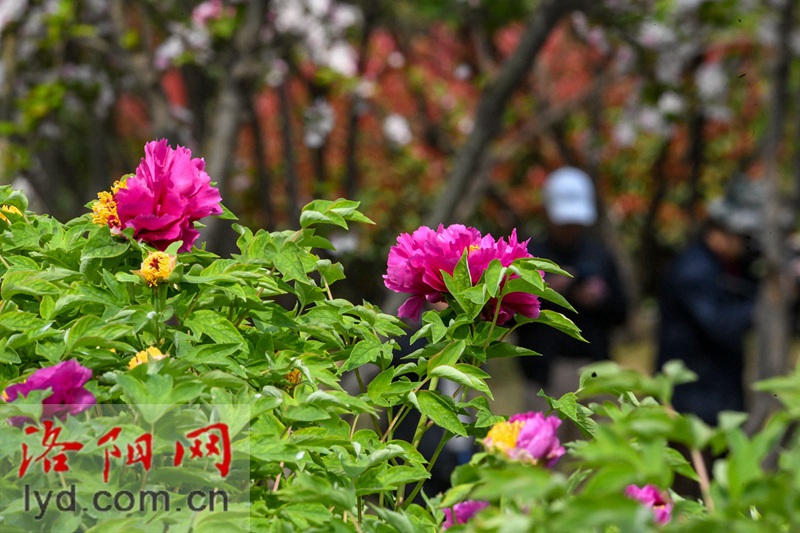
(168, 194)
(530, 437)
(506, 252)
(416, 262)
(650, 496)
(66, 380)
(462, 512)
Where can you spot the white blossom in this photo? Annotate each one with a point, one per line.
(670, 103)
(318, 121)
(711, 81)
(168, 51)
(345, 16)
(651, 119)
(462, 72)
(277, 72)
(655, 35)
(342, 59)
(318, 8)
(465, 125)
(11, 11)
(624, 133)
(397, 129)
(396, 60)
(366, 88)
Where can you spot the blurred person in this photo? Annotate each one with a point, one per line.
(707, 303)
(595, 290)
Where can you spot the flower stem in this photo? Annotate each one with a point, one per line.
(699, 465)
(445, 437)
(494, 323)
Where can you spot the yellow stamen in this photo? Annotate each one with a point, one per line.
(503, 435)
(157, 267)
(294, 377)
(119, 184)
(9, 209)
(145, 355)
(473, 247)
(105, 208)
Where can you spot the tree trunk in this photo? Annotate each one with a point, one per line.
(488, 118)
(772, 312)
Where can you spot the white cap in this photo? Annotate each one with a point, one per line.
(569, 197)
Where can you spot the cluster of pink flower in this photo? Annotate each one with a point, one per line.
(169, 192)
(528, 437)
(461, 513)
(417, 261)
(652, 497)
(531, 438)
(66, 382)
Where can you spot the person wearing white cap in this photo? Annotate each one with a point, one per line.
(595, 290)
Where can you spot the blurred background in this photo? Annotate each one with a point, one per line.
(427, 112)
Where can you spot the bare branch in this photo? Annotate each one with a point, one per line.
(488, 119)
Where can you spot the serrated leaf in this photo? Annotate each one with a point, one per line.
(102, 245)
(26, 282)
(217, 327)
(448, 356)
(437, 409)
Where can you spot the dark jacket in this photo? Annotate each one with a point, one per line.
(587, 259)
(705, 308)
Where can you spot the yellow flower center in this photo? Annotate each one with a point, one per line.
(157, 267)
(144, 356)
(473, 247)
(105, 208)
(9, 209)
(503, 435)
(294, 377)
(119, 184)
(5, 396)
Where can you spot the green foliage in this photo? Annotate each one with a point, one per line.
(260, 340)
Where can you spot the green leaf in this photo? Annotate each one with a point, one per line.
(103, 245)
(289, 262)
(464, 374)
(448, 356)
(217, 327)
(26, 282)
(493, 277)
(21, 321)
(433, 406)
(332, 272)
(366, 351)
(540, 263)
(558, 321)
(503, 349)
(529, 273)
(556, 298)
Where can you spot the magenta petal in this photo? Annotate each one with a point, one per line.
(168, 194)
(66, 382)
(412, 308)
